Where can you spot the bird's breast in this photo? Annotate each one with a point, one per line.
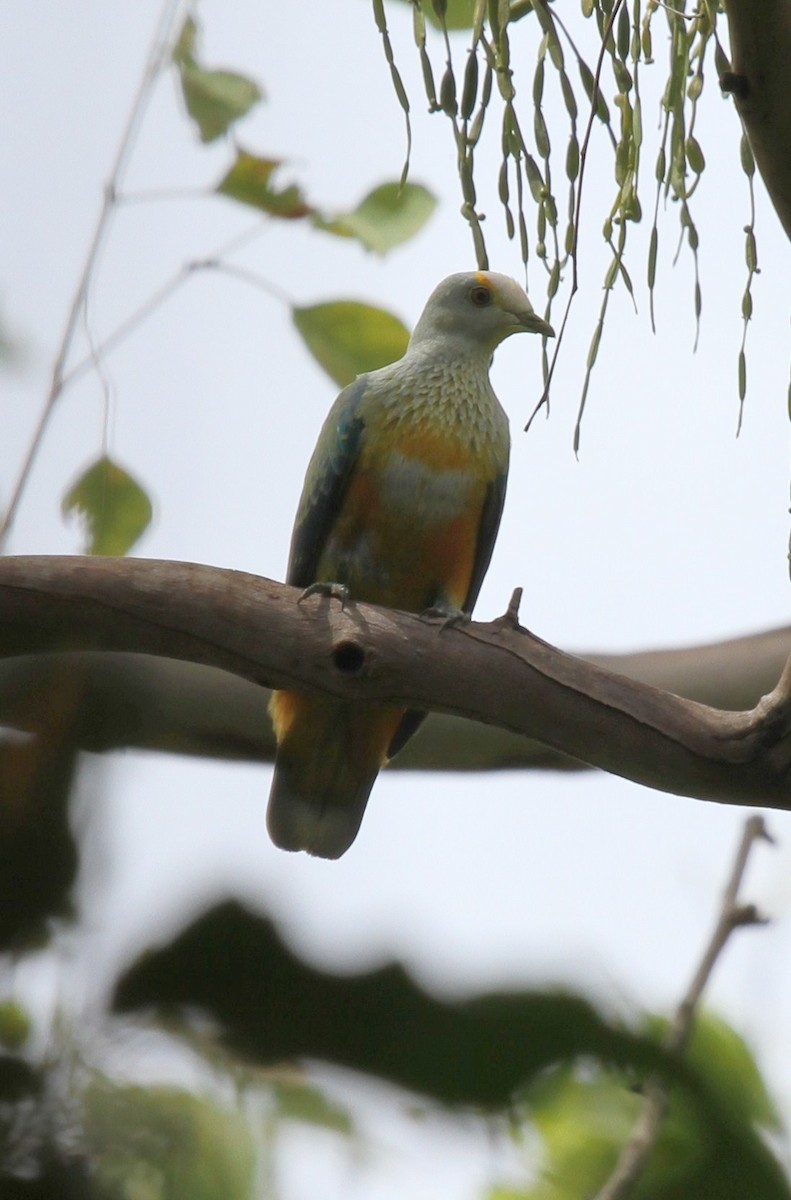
(408, 527)
(411, 488)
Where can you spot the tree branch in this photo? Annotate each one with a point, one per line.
(123, 701)
(760, 51)
(732, 915)
(496, 672)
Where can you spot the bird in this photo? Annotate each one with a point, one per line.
(400, 507)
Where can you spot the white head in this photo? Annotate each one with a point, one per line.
(477, 309)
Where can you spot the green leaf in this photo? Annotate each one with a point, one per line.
(115, 509)
(348, 338)
(186, 44)
(216, 99)
(385, 218)
(250, 182)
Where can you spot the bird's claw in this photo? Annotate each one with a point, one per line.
(448, 614)
(332, 591)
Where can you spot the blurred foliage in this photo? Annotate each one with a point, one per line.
(568, 1073)
(724, 1060)
(162, 1143)
(567, 1076)
(585, 1116)
(70, 1129)
(38, 853)
(14, 1025)
(273, 1007)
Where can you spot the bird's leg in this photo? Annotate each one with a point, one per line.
(333, 591)
(446, 612)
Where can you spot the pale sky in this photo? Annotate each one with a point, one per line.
(667, 530)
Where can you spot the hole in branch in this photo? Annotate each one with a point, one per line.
(348, 657)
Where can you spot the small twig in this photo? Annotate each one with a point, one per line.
(214, 261)
(510, 617)
(109, 205)
(635, 1154)
(157, 195)
(246, 276)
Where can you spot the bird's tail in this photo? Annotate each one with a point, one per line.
(329, 754)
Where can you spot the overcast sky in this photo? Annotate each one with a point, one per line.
(667, 530)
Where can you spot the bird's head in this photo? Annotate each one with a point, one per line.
(477, 309)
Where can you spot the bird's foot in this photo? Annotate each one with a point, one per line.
(332, 591)
(448, 614)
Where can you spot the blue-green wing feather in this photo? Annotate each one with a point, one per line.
(487, 535)
(326, 481)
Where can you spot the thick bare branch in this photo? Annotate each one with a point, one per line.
(137, 701)
(494, 673)
(760, 53)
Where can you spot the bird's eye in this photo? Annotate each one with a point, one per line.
(481, 296)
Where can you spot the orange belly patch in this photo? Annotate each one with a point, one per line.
(394, 543)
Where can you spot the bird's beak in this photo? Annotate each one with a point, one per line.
(532, 323)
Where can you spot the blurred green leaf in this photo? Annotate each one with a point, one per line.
(14, 1025)
(250, 182)
(585, 1117)
(582, 1123)
(162, 1143)
(386, 217)
(186, 45)
(348, 338)
(114, 507)
(725, 1061)
(301, 1101)
(214, 99)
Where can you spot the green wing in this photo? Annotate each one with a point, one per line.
(487, 535)
(326, 481)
